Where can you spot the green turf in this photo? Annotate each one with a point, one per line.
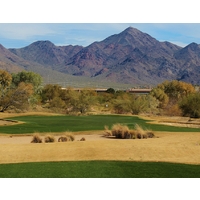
(82, 123)
(99, 169)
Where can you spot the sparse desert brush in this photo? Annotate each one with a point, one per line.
(49, 138)
(36, 138)
(121, 131)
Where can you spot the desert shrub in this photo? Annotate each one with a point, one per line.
(82, 139)
(36, 138)
(63, 139)
(49, 138)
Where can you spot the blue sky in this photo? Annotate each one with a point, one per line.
(80, 22)
(17, 35)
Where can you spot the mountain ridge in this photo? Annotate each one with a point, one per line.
(129, 57)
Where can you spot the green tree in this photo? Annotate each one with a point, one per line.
(17, 98)
(50, 92)
(190, 105)
(121, 103)
(169, 93)
(5, 79)
(81, 101)
(176, 90)
(27, 77)
(110, 90)
(138, 104)
(161, 96)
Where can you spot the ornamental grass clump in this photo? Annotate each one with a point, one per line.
(71, 137)
(66, 137)
(121, 131)
(63, 139)
(82, 139)
(36, 138)
(107, 132)
(49, 139)
(141, 133)
(150, 134)
(133, 134)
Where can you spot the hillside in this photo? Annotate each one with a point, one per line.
(130, 57)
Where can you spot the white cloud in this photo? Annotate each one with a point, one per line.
(86, 33)
(23, 31)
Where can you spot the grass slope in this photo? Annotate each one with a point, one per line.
(99, 169)
(82, 123)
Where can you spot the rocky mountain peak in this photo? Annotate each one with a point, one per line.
(131, 56)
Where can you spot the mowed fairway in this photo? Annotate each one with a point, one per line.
(174, 147)
(99, 169)
(61, 123)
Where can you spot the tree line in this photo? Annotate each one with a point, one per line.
(22, 91)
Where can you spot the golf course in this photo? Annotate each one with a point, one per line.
(172, 153)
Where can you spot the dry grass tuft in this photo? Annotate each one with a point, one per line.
(82, 139)
(66, 137)
(70, 136)
(138, 135)
(121, 131)
(150, 134)
(63, 139)
(139, 129)
(133, 134)
(36, 138)
(49, 138)
(107, 132)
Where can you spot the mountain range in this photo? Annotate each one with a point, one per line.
(130, 57)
